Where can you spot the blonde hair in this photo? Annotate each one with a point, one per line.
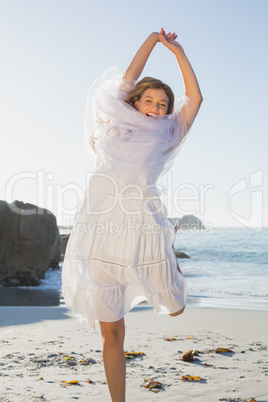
(148, 83)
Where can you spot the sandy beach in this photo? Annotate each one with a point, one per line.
(43, 346)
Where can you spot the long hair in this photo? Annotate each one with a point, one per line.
(150, 83)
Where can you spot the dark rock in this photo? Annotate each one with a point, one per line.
(189, 222)
(21, 279)
(29, 242)
(179, 254)
(64, 241)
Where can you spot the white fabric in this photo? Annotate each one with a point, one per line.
(120, 250)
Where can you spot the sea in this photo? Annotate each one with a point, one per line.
(226, 268)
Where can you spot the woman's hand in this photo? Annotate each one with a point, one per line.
(192, 89)
(169, 40)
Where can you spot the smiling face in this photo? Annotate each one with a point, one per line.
(154, 102)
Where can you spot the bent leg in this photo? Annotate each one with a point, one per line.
(177, 312)
(113, 334)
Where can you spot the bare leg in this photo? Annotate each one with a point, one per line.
(177, 312)
(113, 334)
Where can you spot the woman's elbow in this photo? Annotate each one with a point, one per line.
(199, 99)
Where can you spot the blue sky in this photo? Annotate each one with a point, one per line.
(51, 50)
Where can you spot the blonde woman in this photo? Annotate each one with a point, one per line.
(121, 248)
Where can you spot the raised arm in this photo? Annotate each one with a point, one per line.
(136, 66)
(192, 89)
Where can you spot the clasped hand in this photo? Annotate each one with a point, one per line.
(169, 40)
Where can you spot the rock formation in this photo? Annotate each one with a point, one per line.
(180, 254)
(189, 222)
(30, 243)
(64, 241)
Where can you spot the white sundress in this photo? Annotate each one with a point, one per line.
(120, 250)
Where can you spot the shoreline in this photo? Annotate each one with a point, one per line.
(37, 340)
(54, 298)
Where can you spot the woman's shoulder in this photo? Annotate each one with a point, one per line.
(178, 107)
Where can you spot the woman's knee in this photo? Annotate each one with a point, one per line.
(177, 313)
(113, 333)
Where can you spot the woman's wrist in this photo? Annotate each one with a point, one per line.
(155, 36)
